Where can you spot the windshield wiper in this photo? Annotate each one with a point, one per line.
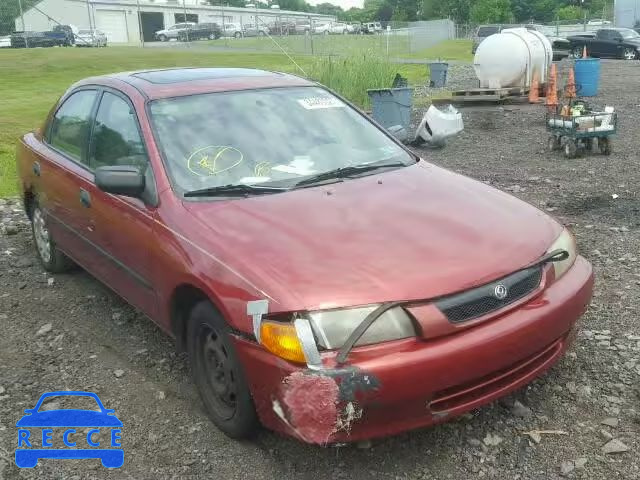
(348, 171)
(233, 190)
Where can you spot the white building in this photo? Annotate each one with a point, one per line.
(123, 21)
(626, 13)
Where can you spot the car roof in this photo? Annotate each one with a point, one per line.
(174, 82)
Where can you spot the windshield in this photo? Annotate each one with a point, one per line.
(628, 33)
(84, 32)
(487, 31)
(265, 136)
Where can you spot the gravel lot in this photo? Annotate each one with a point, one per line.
(69, 332)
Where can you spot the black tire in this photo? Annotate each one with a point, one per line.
(570, 149)
(553, 143)
(163, 38)
(629, 54)
(605, 145)
(576, 52)
(237, 35)
(218, 374)
(52, 259)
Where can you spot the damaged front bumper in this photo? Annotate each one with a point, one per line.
(389, 388)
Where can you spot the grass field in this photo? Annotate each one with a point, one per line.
(32, 80)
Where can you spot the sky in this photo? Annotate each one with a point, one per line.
(345, 4)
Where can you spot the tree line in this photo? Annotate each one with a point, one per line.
(460, 11)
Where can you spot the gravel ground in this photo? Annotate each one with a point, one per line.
(69, 332)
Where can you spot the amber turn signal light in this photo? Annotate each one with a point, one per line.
(282, 340)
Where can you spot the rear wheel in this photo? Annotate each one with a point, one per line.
(570, 149)
(605, 145)
(218, 373)
(629, 54)
(237, 35)
(52, 259)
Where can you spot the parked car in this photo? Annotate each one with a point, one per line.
(91, 38)
(356, 27)
(407, 284)
(372, 28)
(608, 42)
(302, 27)
(598, 22)
(335, 28)
(282, 28)
(173, 31)
(200, 31)
(485, 31)
(252, 30)
(231, 30)
(59, 36)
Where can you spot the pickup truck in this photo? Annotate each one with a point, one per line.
(59, 36)
(608, 42)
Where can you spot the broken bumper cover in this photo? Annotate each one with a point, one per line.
(389, 388)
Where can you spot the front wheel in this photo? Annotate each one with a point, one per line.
(553, 143)
(570, 149)
(218, 374)
(52, 259)
(629, 54)
(163, 38)
(577, 52)
(237, 35)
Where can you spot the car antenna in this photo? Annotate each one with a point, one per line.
(280, 46)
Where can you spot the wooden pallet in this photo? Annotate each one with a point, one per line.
(489, 94)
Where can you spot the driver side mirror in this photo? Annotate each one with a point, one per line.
(120, 180)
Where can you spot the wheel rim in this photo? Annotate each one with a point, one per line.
(219, 376)
(41, 235)
(577, 53)
(629, 54)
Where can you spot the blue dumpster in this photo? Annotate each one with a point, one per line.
(438, 74)
(587, 76)
(391, 106)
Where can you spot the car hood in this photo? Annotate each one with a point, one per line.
(413, 233)
(69, 418)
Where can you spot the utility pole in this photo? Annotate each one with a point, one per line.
(184, 9)
(89, 14)
(24, 29)
(140, 24)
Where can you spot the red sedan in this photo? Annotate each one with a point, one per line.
(324, 280)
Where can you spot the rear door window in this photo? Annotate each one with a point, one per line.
(487, 31)
(71, 124)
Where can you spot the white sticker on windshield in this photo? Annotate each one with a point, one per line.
(315, 103)
(301, 165)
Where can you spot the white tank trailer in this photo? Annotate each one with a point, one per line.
(510, 59)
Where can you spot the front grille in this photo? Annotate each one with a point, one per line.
(480, 301)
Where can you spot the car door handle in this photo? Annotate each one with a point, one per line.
(36, 168)
(85, 198)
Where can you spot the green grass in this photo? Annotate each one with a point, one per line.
(448, 50)
(32, 80)
(320, 44)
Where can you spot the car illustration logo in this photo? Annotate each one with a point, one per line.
(501, 291)
(84, 433)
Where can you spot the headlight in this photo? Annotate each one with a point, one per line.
(564, 242)
(333, 327)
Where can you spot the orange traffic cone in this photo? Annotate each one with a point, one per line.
(570, 90)
(534, 90)
(584, 52)
(552, 88)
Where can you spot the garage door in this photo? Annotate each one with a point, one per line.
(114, 24)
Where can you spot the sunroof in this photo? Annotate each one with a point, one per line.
(192, 74)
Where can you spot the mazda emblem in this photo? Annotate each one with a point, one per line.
(501, 291)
